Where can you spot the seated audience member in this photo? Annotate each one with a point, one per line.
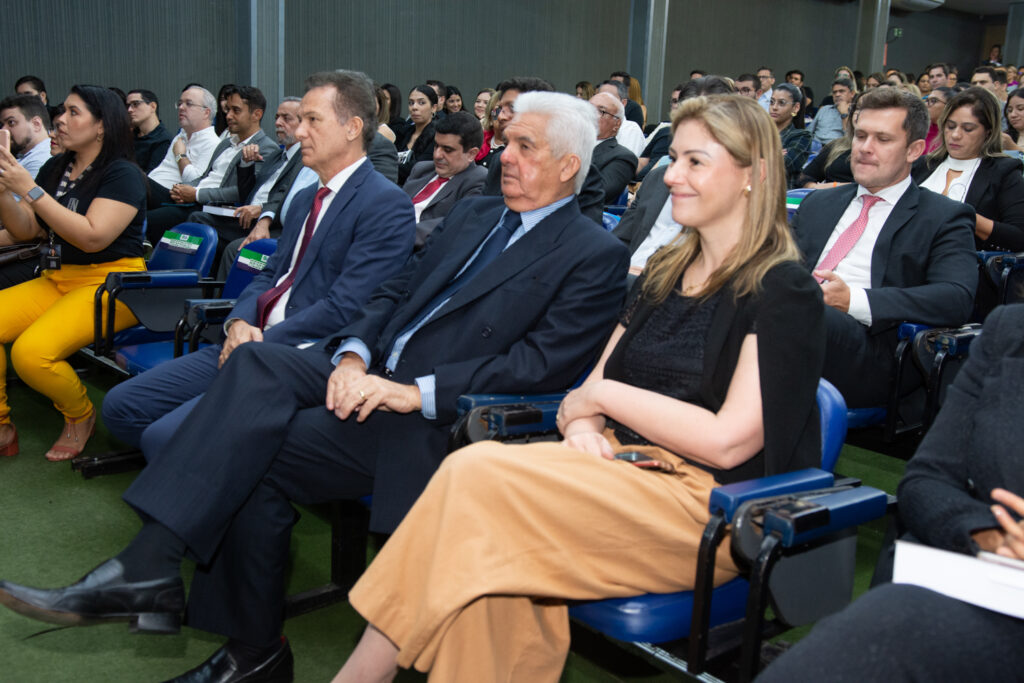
(697, 73)
(220, 122)
(25, 117)
(647, 224)
(33, 85)
(924, 84)
(483, 98)
(219, 183)
(828, 123)
(416, 142)
(616, 164)
(151, 138)
(382, 112)
(953, 77)
(630, 135)
(465, 315)
(493, 125)
(992, 80)
(439, 89)
(787, 112)
(969, 166)
(938, 75)
(896, 78)
(384, 157)
(190, 150)
(884, 250)
(831, 166)
(435, 186)
(479, 565)
(264, 195)
(956, 495)
(796, 77)
(362, 231)
(747, 85)
(90, 203)
(658, 140)
(393, 116)
(874, 80)
(590, 196)
(936, 102)
(766, 80)
(1013, 114)
(842, 72)
(634, 109)
(585, 90)
(452, 100)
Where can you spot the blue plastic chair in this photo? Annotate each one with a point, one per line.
(137, 358)
(793, 199)
(609, 221)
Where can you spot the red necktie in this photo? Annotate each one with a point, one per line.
(429, 189)
(848, 237)
(266, 301)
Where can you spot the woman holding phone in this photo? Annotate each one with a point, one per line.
(88, 204)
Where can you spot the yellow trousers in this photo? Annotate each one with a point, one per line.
(473, 584)
(46, 320)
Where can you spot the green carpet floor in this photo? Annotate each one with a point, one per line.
(57, 526)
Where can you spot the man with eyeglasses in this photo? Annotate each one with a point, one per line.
(190, 151)
(766, 77)
(151, 138)
(616, 164)
(828, 123)
(747, 85)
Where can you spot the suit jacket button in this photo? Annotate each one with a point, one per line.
(486, 332)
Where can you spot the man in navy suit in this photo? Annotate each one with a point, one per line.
(511, 294)
(884, 250)
(363, 237)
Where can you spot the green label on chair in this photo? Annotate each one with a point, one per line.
(253, 259)
(188, 244)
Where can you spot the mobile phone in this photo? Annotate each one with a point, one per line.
(644, 461)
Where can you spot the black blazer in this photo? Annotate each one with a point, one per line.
(639, 218)
(531, 321)
(788, 317)
(616, 164)
(422, 149)
(974, 444)
(923, 266)
(997, 193)
(248, 183)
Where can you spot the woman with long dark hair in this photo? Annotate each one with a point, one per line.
(787, 111)
(416, 142)
(89, 206)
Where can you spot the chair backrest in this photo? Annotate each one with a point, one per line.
(251, 261)
(832, 416)
(186, 246)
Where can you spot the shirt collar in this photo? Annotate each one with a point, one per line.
(891, 194)
(534, 216)
(293, 150)
(338, 181)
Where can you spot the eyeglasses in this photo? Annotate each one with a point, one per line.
(185, 103)
(602, 112)
(779, 103)
(507, 108)
(135, 103)
(934, 100)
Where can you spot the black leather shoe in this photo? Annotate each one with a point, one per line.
(221, 667)
(102, 596)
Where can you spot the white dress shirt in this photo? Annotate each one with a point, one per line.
(662, 232)
(198, 148)
(221, 165)
(936, 182)
(425, 202)
(263, 193)
(855, 268)
(631, 137)
(335, 184)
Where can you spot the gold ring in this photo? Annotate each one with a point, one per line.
(362, 395)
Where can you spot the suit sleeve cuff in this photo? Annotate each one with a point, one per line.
(428, 400)
(353, 345)
(267, 214)
(199, 196)
(860, 309)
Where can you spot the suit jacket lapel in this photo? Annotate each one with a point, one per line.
(818, 231)
(900, 215)
(218, 150)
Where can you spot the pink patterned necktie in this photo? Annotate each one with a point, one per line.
(429, 189)
(267, 300)
(849, 237)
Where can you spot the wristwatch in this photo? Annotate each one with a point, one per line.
(35, 193)
(179, 157)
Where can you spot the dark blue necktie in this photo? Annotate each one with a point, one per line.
(494, 245)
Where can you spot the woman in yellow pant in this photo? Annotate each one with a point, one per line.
(89, 205)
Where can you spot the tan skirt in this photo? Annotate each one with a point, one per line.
(473, 584)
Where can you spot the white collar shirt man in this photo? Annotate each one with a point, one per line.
(631, 137)
(198, 148)
(223, 162)
(855, 268)
(263, 193)
(33, 159)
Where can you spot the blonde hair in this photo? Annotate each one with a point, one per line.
(741, 126)
(634, 90)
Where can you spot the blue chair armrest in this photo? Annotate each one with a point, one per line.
(810, 519)
(726, 499)
(209, 311)
(468, 402)
(911, 330)
(157, 278)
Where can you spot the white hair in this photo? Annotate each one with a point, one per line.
(209, 101)
(571, 129)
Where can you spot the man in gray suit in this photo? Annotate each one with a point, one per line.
(435, 186)
(219, 184)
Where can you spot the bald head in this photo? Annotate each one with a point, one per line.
(610, 113)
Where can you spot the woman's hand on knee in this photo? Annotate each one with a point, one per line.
(593, 443)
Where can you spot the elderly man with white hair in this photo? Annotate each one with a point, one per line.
(629, 135)
(510, 294)
(616, 164)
